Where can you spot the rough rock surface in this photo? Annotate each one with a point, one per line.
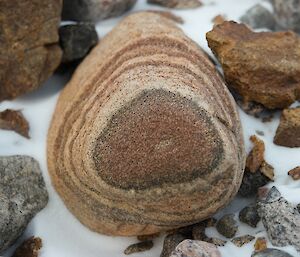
(170, 243)
(259, 17)
(94, 10)
(242, 240)
(22, 195)
(262, 67)
(281, 220)
(29, 248)
(249, 216)
(288, 131)
(295, 173)
(194, 248)
(115, 141)
(256, 156)
(76, 40)
(178, 4)
(227, 226)
(14, 120)
(29, 50)
(271, 253)
(287, 14)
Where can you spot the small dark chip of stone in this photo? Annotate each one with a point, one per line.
(240, 241)
(170, 243)
(259, 132)
(249, 216)
(227, 226)
(29, 248)
(215, 241)
(298, 207)
(199, 232)
(147, 237)
(139, 247)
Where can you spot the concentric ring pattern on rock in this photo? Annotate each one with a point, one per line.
(145, 137)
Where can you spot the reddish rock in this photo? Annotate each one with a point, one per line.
(288, 132)
(29, 248)
(29, 51)
(256, 156)
(262, 67)
(295, 173)
(219, 19)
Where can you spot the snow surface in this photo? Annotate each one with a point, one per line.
(62, 234)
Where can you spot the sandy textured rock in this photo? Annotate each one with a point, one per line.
(295, 173)
(288, 131)
(146, 136)
(227, 226)
(287, 14)
(29, 248)
(242, 240)
(29, 50)
(261, 67)
(281, 220)
(139, 247)
(259, 17)
(256, 156)
(94, 10)
(270, 252)
(14, 120)
(177, 4)
(260, 244)
(22, 195)
(170, 243)
(249, 216)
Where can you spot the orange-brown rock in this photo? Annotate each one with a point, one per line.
(262, 67)
(295, 173)
(256, 155)
(288, 131)
(145, 137)
(29, 51)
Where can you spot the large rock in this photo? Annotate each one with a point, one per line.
(22, 195)
(29, 50)
(281, 220)
(287, 14)
(142, 141)
(94, 10)
(261, 67)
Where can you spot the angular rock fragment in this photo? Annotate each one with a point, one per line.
(177, 4)
(29, 248)
(259, 17)
(227, 226)
(267, 170)
(139, 247)
(260, 244)
(241, 240)
(216, 241)
(22, 195)
(281, 220)
(94, 10)
(76, 40)
(170, 243)
(219, 19)
(29, 50)
(271, 253)
(249, 216)
(288, 131)
(256, 156)
(287, 14)
(295, 173)
(14, 120)
(195, 248)
(261, 67)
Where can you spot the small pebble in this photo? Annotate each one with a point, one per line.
(260, 244)
(249, 216)
(295, 173)
(268, 170)
(227, 226)
(271, 253)
(29, 248)
(241, 240)
(170, 243)
(216, 241)
(139, 247)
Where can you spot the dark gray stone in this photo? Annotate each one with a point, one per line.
(249, 216)
(259, 17)
(170, 243)
(227, 226)
(76, 40)
(281, 220)
(271, 253)
(94, 10)
(22, 195)
(287, 14)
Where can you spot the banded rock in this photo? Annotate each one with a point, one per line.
(145, 137)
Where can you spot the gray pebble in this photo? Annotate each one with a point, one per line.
(271, 253)
(22, 195)
(170, 243)
(259, 17)
(280, 219)
(249, 216)
(76, 40)
(227, 226)
(94, 10)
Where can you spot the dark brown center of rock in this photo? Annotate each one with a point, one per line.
(159, 137)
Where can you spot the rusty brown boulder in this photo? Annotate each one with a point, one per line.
(262, 67)
(29, 51)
